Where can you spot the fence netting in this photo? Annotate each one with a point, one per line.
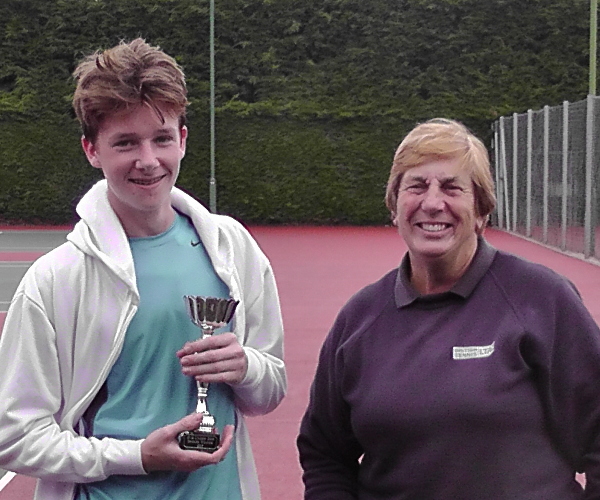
(546, 163)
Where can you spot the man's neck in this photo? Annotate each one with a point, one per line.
(149, 224)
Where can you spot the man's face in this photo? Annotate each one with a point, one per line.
(140, 159)
(436, 211)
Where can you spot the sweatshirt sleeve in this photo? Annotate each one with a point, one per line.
(564, 351)
(265, 383)
(31, 440)
(329, 453)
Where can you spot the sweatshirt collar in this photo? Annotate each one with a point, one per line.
(405, 293)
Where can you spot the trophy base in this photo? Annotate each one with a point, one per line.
(199, 441)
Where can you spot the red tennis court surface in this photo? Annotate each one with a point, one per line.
(317, 270)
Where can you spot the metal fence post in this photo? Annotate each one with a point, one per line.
(546, 169)
(515, 170)
(500, 208)
(594, 215)
(565, 174)
(504, 175)
(496, 148)
(212, 187)
(529, 167)
(588, 241)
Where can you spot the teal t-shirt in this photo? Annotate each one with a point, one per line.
(146, 389)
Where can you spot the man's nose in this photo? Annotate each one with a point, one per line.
(147, 158)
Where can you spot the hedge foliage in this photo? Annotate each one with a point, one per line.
(312, 96)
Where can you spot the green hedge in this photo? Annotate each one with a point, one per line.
(273, 170)
(42, 171)
(268, 170)
(312, 96)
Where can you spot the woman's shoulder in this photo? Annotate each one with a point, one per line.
(373, 297)
(533, 279)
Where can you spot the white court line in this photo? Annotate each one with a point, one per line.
(7, 478)
(26, 249)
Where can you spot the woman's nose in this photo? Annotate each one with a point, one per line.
(433, 199)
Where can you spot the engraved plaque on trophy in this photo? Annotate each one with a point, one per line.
(208, 313)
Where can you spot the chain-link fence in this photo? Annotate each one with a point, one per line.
(546, 163)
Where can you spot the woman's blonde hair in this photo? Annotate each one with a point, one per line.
(441, 138)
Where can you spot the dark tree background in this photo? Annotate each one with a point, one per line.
(312, 96)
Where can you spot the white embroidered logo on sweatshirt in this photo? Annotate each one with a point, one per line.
(472, 352)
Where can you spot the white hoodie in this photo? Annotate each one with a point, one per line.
(65, 329)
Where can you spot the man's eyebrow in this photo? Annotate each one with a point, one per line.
(133, 135)
(123, 135)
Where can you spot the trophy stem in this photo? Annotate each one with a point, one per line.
(207, 330)
(202, 394)
(202, 407)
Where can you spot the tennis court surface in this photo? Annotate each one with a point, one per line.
(317, 270)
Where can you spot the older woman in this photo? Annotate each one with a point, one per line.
(466, 374)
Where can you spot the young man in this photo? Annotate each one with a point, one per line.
(101, 359)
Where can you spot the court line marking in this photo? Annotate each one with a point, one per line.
(7, 478)
(34, 231)
(26, 249)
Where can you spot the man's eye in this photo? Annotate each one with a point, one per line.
(123, 144)
(164, 139)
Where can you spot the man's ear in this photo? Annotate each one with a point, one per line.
(183, 134)
(90, 152)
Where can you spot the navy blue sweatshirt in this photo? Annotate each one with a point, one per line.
(490, 391)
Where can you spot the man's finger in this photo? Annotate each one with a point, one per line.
(213, 342)
(187, 423)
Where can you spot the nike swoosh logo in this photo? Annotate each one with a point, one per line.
(195, 244)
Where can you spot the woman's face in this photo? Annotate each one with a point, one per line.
(436, 212)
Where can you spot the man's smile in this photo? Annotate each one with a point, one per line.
(148, 182)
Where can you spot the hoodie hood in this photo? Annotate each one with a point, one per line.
(100, 234)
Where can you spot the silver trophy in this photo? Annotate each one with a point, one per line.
(208, 313)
